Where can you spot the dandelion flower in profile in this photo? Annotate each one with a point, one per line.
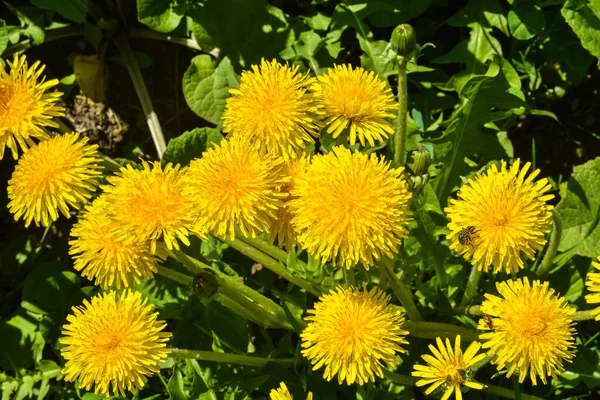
(350, 208)
(272, 107)
(102, 256)
(149, 204)
(57, 173)
(352, 332)
(532, 329)
(500, 216)
(25, 105)
(355, 101)
(113, 343)
(235, 184)
(593, 284)
(448, 368)
(282, 393)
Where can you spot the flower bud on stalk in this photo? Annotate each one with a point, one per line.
(205, 285)
(417, 164)
(404, 40)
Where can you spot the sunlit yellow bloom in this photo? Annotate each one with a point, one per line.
(52, 176)
(357, 102)
(593, 284)
(149, 204)
(25, 105)
(352, 332)
(448, 368)
(350, 208)
(113, 343)
(532, 329)
(282, 393)
(103, 257)
(235, 184)
(509, 214)
(272, 107)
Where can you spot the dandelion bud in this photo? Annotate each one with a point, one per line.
(418, 160)
(404, 40)
(205, 285)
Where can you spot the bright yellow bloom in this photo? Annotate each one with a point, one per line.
(509, 215)
(102, 256)
(448, 368)
(352, 332)
(149, 205)
(350, 208)
(25, 106)
(272, 107)
(113, 343)
(282, 393)
(593, 284)
(357, 102)
(52, 176)
(532, 329)
(235, 184)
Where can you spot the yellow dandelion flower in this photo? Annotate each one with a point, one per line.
(25, 105)
(273, 107)
(282, 393)
(149, 204)
(448, 368)
(352, 332)
(103, 257)
(593, 284)
(500, 216)
(356, 100)
(532, 329)
(52, 176)
(235, 184)
(350, 208)
(113, 343)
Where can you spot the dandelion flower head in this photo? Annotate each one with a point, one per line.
(57, 173)
(508, 210)
(532, 329)
(113, 343)
(593, 284)
(282, 393)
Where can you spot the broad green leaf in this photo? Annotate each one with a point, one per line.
(384, 13)
(584, 17)
(3, 36)
(488, 13)
(50, 287)
(32, 19)
(75, 10)
(175, 387)
(17, 335)
(307, 46)
(160, 15)
(580, 211)
(526, 20)
(190, 145)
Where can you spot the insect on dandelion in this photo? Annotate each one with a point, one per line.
(282, 393)
(593, 284)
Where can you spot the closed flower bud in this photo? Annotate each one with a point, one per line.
(205, 285)
(404, 40)
(418, 160)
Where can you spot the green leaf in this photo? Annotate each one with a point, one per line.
(175, 387)
(33, 19)
(75, 10)
(580, 211)
(584, 17)
(526, 20)
(17, 335)
(160, 15)
(384, 13)
(51, 286)
(3, 36)
(190, 145)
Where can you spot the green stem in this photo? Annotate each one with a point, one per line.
(476, 312)
(54, 34)
(471, 289)
(432, 330)
(174, 275)
(228, 358)
(400, 379)
(402, 292)
(552, 244)
(584, 315)
(271, 264)
(109, 163)
(144, 33)
(265, 247)
(400, 136)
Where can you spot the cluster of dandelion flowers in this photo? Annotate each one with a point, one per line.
(350, 208)
(593, 284)
(235, 184)
(531, 329)
(282, 393)
(272, 106)
(106, 258)
(113, 343)
(352, 332)
(357, 102)
(448, 368)
(508, 214)
(149, 204)
(26, 105)
(57, 173)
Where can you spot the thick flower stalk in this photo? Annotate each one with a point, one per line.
(500, 217)
(235, 184)
(282, 393)
(113, 343)
(350, 208)
(448, 368)
(352, 333)
(355, 102)
(273, 107)
(26, 106)
(530, 329)
(593, 284)
(56, 174)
